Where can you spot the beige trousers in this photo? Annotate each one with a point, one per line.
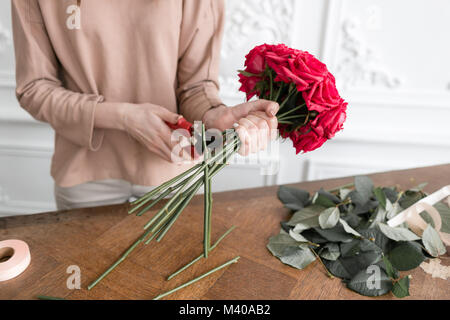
(97, 193)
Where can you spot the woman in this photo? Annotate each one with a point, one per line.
(108, 74)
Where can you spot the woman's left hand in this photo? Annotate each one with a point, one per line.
(256, 121)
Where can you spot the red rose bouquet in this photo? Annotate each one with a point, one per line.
(311, 112)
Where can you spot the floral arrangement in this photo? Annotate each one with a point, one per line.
(311, 112)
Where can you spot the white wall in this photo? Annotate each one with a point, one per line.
(390, 59)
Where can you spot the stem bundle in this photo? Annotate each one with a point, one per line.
(184, 187)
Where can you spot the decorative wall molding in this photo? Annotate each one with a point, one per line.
(243, 18)
(272, 18)
(360, 64)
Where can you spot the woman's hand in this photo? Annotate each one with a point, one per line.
(143, 122)
(256, 121)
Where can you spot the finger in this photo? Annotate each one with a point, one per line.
(244, 150)
(252, 130)
(263, 130)
(272, 121)
(269, 107)
(167, 115)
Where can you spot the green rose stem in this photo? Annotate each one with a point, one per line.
(205, 196)
(197, 279)
(151, 193)
(121, 259)
(49, 298)
(328, 272)
(281, 116)
(202, 255)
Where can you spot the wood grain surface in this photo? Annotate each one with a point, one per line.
(93, 238)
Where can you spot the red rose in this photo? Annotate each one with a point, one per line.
(330, 121)
(306, 139)
(248, 85)
(322, 95)
(307, 67)
(256, 60)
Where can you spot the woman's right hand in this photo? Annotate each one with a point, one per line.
(144, 122)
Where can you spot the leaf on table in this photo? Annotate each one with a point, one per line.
(419, 188)
(371, 282)
(329, 218)
(297, 236)
(330, 251)
(380, 196)
(298, 258)
(391, 194)
(293, 198)
(349, 229)
(397, 233)
(409, 198)
(335, 234)
(401, 288)
(393, 211)
(321, 200)
(337, 268)
(432, 242)
(290, 251)
(343, 193)
(364, 187)
(375, 235)
(444, 211)
(308, 217)
(406, 255)
(390, 270)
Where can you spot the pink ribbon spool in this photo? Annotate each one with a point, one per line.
(16, 257)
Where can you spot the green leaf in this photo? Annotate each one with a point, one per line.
(375, 235)
(290, 251)
(393, 211)
(249, 74)
(297, 236)
(364, 187)
(329, 218)
(343, 193)
(381, 197)
(432, 242)
(338, 269)
(444, 211)
(298, 258)
(293, 198)
(410, 197)
(378, 216)
(397, 234)
(349, 229)
(371, 282)
(330, 251)
(323, 201)
(406, 255)
(308, 217)
(390, 270)
(335, 234)
(401, 288)
(419, 187)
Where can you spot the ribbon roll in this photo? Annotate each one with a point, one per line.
(412, 215)
(14, 258)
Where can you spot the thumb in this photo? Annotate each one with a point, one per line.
(167, 115)
(269, 107)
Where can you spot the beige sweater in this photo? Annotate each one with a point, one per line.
(70, 58)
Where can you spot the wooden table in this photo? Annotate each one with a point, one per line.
(94, 238)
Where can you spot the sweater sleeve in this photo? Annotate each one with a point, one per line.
(199, 57)
(39, 90)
